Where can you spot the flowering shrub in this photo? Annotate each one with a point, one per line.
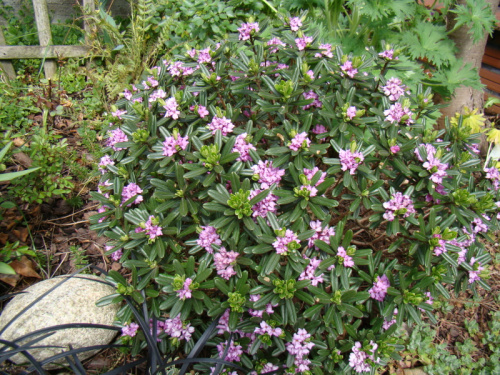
(299, 194)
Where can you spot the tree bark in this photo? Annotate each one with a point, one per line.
(471, 53)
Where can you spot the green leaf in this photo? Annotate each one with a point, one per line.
(428, 40)
(477, 16)
(5, 268)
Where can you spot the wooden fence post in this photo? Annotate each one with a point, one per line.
(7, 67)
(44, 33)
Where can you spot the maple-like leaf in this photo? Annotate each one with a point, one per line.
(378, 9)
(456, 75)
(477, 16)
(429, 41)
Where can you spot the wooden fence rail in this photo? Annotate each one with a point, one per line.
(45, 50)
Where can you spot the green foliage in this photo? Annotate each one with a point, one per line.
(282, 185)
(409, 25)
(10, 252)
(477, 16)
(429, 41)
(159, 27)
(437, 358)
(48, 154)
(20, 29)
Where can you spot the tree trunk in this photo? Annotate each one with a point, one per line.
(471, 53)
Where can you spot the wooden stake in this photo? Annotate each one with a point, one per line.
(44, 34)
(7, 67)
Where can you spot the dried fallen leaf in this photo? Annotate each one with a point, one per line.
(18, 142)
(23, 159)
(24, 267)
(21, 233)
(12, 280)
(3, 238)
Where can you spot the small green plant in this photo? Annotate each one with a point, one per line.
(10, 252)
(78, 258)
(48, 153)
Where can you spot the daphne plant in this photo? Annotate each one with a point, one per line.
(299, 194)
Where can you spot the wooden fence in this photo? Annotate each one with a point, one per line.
(45, 50)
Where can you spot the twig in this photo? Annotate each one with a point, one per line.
(68, 224)
(70, 215)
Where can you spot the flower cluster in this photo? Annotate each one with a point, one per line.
(287, 242)
(177, 329)
(350, 160)
(300, 346)
(208, 237)
(224, 261)
(309, 272)
(397, 114)
(246, 30)
(322, 234)
(394, 89)
(400, 204)
(221, 123)
(243, 146)
(360, 360)
(299, 141)
(171, 145)
(379, 289)
(151, 228)
(116, 136)
(266, 174)
(132, 190)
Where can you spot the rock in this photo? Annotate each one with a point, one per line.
(415, 371)
(72, 302)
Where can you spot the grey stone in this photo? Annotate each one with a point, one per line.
(74, 301)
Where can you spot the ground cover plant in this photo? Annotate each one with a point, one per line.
(296, 194)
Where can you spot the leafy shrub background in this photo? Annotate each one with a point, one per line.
(156, 202)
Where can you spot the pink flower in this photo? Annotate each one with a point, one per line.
(204, 56)
(116, 136)
(395, 149)
(234, 351)
(396, 113)
(326, 51)
(347, 259)
(388, 54)
(246, 29)
(221, 123)
(322, 234)
(295, 23)
(380, 287)
(275, 42)
(177, 329)
(288, 242)
(172, 145)
(303, 42)
(316, 102)
(360, 360)
(185, 292)
(130, 330)
(202, 111)
(319, 129)
(171, 108)
(224, 261)
(105, 161)
(348, 69)
(266, 174)
(399, 205)
(309, 272)
(299, 141)
(131, 190)
(394, 89)
(351, 112)
(243, 147)
(150, 229)
(207, 238)
(350, 160)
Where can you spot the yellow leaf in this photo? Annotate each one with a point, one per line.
(470, 119)
(494, 135)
